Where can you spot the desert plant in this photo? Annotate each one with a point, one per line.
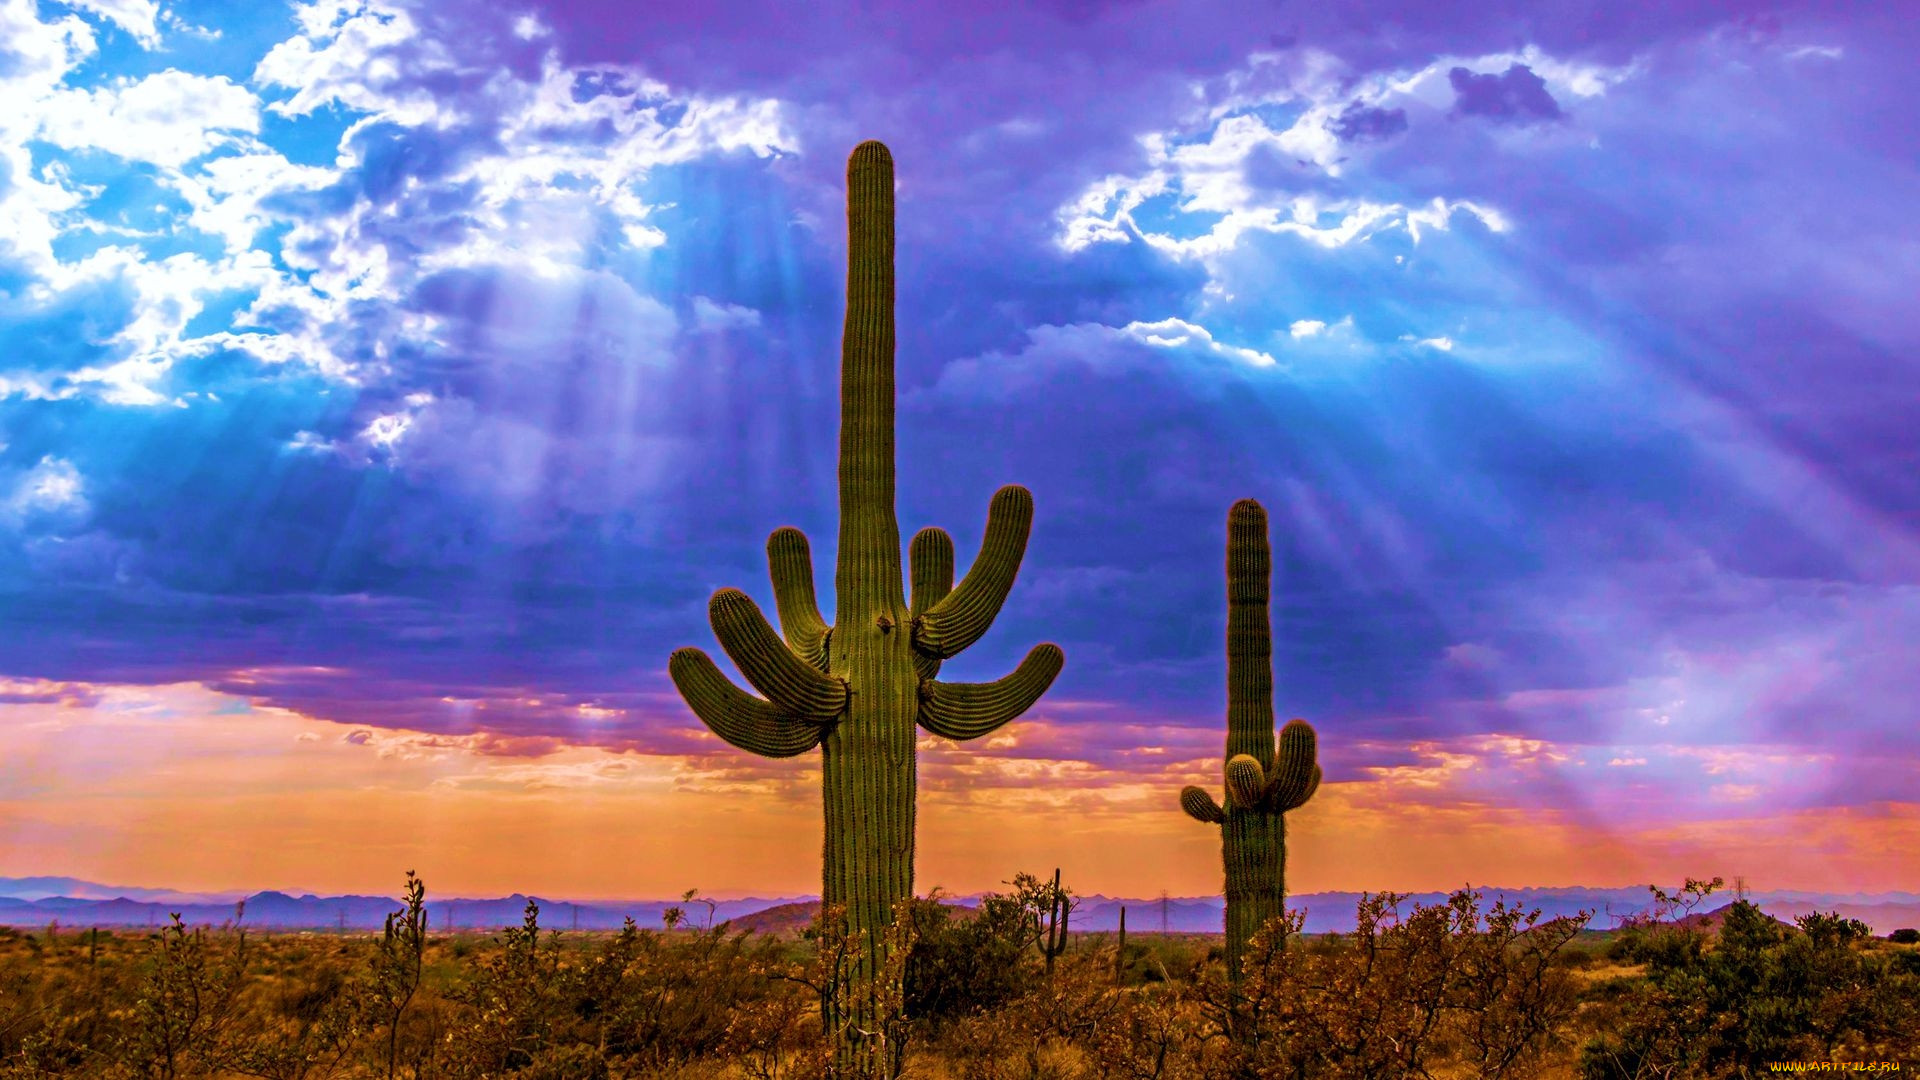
(515, 1002)
(856, 688)
(304, 1031)
(1762, 992)
(1405, 997)
(1059, 904)
(1906, 935)
(1262, 784)
(396, 966)
(186, 1000)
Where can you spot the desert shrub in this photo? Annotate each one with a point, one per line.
(964, 964)
(677, 997)
(298, 1028)
(1764, 992)
(186, 1002)
(1403, 997)
(513, 1002)
(1906, 935)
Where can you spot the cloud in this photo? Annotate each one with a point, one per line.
(1361, 123)
(361, 54)
(708, 315)
(1518, 96)
(136, 17)
(52, 492)
(435, 399)
(1108, 350)
(1211, 185)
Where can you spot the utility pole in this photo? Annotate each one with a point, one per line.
(1163, 911)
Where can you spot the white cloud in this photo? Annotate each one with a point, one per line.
(527, 27)
(1306, 328)
(1208, 168)
(34, 58)
(1818, 52)
(168, 294)
(167, 119)
(366, 56)
(708, 315)
(384, 432)
(136, 17)
(1179, 334)
(538, 175)
(51, 489)
(308, 442)
(1096, 347)
(226, 193)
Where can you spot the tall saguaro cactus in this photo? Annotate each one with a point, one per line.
(857, 688)
(1262, 783)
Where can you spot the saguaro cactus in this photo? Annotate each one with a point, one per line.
(857, 688)
(1262, 784)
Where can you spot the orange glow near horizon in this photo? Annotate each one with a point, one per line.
(186, 788)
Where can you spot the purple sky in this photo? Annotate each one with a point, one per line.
(422, 369)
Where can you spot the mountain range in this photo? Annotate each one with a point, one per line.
(37, 901)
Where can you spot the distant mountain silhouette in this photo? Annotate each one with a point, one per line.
(784, 920)
(1713, 921)
(27, 901)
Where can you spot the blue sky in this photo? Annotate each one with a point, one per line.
(394, 382)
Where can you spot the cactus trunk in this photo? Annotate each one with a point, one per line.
(1262, 784)
(858, 689)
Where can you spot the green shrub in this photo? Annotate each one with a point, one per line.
(1763, 992)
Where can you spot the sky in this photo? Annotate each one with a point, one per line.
(386, 386)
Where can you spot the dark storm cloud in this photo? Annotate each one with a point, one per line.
(1358, 123)
(1518, 96)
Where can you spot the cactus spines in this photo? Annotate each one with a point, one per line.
(1261, 784)
(857, 688)
(1200, 806)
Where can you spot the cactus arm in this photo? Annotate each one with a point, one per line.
(789, 682)
(1284, 802)
(1246, 781)
(735, 715)
(931, 558)
(964, 614)
(970, 710)
(790, 561)
(1293, 767)
(1200, 806)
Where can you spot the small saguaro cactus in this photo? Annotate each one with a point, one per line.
(1262, 783)
(857, 688)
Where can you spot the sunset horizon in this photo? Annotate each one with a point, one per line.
(388, 387)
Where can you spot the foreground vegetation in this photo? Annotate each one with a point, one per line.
(998, 994)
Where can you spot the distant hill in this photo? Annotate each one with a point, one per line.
(788, 920)
(1712, 921)
(781, 920)
(40, 888)
(279, 910)
(36, 901)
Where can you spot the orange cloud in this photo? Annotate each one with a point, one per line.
(186, 787)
